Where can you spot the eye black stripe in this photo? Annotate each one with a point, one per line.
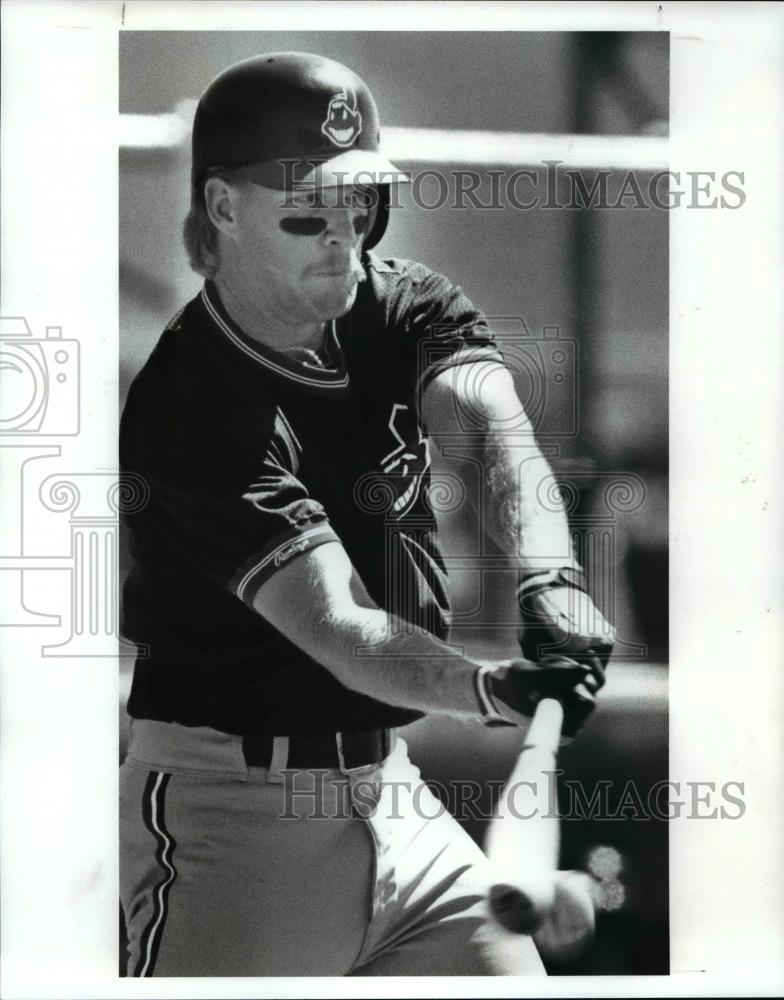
(308, 226)
(316, 224)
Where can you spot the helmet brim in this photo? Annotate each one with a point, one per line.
(354, 168)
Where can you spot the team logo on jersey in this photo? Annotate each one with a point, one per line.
(343, 122)
(406, 464)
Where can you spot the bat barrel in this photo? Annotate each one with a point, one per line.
(514, 909)
(523, 847)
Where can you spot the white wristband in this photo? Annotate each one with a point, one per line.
(490, 714)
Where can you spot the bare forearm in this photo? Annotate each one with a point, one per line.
(515, 494)
(521, 507)
(375, 653)
(363, 646)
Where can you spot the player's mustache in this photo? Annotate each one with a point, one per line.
(352, 268)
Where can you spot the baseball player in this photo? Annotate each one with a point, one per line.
(288, 582)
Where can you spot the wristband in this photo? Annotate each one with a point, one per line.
(565, 576)
(490, 714)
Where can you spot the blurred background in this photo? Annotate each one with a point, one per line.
(583, 289)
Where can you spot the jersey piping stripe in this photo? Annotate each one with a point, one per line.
(287, 433)
(298, 543)
(153, 812)
(325, 380)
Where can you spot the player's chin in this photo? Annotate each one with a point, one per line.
(334, 302)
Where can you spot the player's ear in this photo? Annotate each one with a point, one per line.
(220, 200)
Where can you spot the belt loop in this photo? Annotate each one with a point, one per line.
(279, 759)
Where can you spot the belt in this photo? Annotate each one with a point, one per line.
(329, 750)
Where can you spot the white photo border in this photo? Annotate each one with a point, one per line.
(59, 265)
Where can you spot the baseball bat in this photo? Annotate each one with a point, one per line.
(523, 840)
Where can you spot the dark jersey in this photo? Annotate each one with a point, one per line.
(251, 458)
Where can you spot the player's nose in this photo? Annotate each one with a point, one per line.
(342, 229)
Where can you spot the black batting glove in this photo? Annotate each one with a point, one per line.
(509, 693)
(559, 617)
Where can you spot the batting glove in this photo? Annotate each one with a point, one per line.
(559, 617)
(509, 693)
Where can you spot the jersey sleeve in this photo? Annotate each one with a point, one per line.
(221, 504)
(443, 329)
(240, 538)
(280, 521)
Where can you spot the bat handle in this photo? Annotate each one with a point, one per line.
(544, 733)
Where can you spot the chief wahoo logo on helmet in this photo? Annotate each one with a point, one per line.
(343, 122)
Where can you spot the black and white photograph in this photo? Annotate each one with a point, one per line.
(390, 533)
(432, 333)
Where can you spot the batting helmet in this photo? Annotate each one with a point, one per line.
(295, 121)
